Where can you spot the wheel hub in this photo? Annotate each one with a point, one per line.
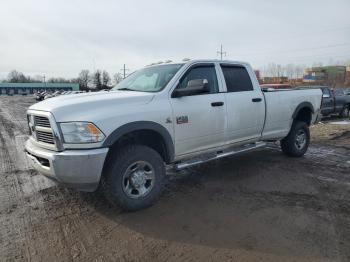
(138, 179)
(300, 139)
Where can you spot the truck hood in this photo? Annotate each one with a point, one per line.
(68, 107)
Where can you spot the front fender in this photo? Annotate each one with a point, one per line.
(142, 125)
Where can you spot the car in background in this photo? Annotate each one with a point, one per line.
(276, 86)
(49, 95)
(341, 91)
(40, 95)
(335, 102)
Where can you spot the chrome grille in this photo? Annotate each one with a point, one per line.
(44, 137)
(42, 121)
(40, 129)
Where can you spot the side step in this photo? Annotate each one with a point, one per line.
(235, 151)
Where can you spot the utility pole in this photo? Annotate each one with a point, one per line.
(124, 69)
(221, 52)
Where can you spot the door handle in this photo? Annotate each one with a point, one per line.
(217, 104)
(256, 99)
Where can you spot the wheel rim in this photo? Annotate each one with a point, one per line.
(300, 139)
(347, 112)
(138, 179)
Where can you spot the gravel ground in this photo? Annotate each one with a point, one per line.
(258, 206)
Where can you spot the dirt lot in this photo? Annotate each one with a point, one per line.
(258, 206)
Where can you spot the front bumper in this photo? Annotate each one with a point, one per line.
(79, 169)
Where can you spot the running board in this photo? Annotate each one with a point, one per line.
(194, 162)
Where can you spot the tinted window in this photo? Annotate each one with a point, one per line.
(237, 79)
(326, 91)
(201, 72)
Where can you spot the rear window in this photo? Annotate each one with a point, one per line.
(237, 78)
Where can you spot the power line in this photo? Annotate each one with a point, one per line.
(263, 51)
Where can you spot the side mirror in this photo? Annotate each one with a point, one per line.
(326, 96)
(194, 87)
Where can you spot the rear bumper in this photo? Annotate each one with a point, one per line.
(79, 169)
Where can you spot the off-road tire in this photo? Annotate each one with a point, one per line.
(117, 165)
(288, 144)
(345, 113)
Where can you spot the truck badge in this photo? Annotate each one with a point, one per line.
(181, 120)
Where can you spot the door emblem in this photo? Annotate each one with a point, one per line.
(181, 120)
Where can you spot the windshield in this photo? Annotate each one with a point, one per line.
(149, 79)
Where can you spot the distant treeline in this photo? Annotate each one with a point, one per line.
(100, 79)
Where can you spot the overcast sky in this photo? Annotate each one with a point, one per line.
(61, 37)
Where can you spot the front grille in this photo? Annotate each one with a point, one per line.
(42, 121)
(40, 129)
(45, 137)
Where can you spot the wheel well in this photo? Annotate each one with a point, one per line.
(144, 137)
(304, 115)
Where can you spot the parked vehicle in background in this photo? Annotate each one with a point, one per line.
(178, 114)
(341, 91)
(335, 102)
(40, 95)
(276, 86)
(54, 94)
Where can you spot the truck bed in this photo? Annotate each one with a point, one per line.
(279, 108)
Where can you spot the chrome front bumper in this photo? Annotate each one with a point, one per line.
(79, 169)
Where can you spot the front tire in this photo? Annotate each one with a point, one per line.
(297, 141)
(134, 177)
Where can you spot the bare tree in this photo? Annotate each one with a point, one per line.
(290, 71)
(96, 79)
(105, 79)
(117, 78)
(17, 77)
(38, 78)
(299, 71)
(84, 79)
(58, 80)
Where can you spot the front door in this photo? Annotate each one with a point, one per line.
(199, 120)
(327, 106)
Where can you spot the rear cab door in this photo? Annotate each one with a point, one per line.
(245, 103)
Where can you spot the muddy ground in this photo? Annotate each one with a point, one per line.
(258, 206)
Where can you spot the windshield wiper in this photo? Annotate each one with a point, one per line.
(126, 89)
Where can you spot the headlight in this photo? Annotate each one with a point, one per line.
(81, 132)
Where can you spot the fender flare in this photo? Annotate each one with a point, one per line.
(143, 125)
(301, 106)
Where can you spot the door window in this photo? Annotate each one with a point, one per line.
(201, 72)
(237, 79)
(326, 92)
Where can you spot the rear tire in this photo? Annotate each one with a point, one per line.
(297, 141)
(345, 113)
(134, 177)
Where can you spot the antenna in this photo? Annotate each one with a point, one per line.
(221, 52)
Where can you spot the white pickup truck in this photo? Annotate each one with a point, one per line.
(178, 114)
